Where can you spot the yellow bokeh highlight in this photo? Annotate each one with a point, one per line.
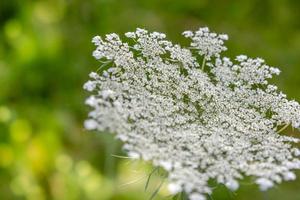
(74, 180)
(21, 39)
(20, 131)
(92, 182)
(25, 185)
(26, 48)
(37, 156)
(90, 179)
(13, 29)
(5, 114)
(48, 11)
(64, 163)
(6, 155)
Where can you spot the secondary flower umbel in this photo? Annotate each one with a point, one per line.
(218, 123)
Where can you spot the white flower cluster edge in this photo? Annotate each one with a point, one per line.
(192, 111)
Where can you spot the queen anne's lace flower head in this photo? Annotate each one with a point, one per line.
(221, 123)
(206, 43)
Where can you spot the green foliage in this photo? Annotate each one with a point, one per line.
(45, 57)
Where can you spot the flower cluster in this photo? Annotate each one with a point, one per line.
(206, 43)
(219, 123)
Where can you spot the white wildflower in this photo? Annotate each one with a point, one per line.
(90, 124)
(223, 37)
(166, 165)
(93, 75)
(296, 152)
(188, 34)
(133, 155)
(97, 54)
(130, 35)
(264, 184)
(274, 70)
(208, 44)
(221, 123)
(107, 94)
(232, 185)
(241, 58)
(174, 188)
(89, 86)
(91, 101)
(96, 40)
(289, 176)
(195, 196)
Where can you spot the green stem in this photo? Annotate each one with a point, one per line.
(149, 177)
(157, 189)
(203, 63)
(103, 65)
(283, 128)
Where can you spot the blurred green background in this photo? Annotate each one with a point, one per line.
(45, 57)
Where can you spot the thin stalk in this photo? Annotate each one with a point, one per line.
(132, 182)
(203, 63)
(103, 65)
(117, 156)
(283, 128)
(149, 177)
(157, 190)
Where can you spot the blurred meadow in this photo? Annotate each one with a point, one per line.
(45, 57)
